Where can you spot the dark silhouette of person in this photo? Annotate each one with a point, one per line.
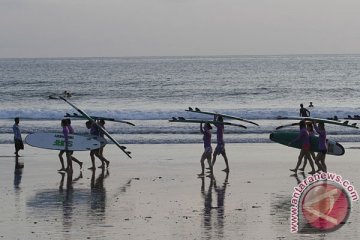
(303, 111)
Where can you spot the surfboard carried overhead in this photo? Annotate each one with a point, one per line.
(345, 123)
(56, 141)
(197, 110)
(75, 115)
(285, 137)
(183, 120)
(122, 148)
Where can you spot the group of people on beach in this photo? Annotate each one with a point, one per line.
(66, 130)
(306, 131)
(94, 131)
(220, 147)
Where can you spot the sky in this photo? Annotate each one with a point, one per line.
(121, 28)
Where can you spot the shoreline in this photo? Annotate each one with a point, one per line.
(157, 194)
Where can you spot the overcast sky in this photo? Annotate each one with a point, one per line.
(116, 28)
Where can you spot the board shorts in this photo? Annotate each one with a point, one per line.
(306, 147)
(19, 144)
(207, 152)
(220, 149)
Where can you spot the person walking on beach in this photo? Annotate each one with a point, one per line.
(206, 131)
(320, 158)
(66, 133)
(303, 111)
(220, 147)
(95, 131)
(101, 150)
(71, 131)
(19, 145)
(304, 138)
(310, 129)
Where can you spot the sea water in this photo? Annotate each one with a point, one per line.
(149, 91)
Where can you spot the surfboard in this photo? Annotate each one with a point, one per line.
(122, 148)
(291, 125)
(285, 137)
(75, 115)
(56, 141)
(183, 120)
(197, 110)
(297, 124)
(345, 123)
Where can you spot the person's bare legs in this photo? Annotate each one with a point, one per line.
(92, 157)
(61, 161)
(227, 169)
(103, 160)
(77, 161)
(202, 164)
(301, 155)
(69, 162)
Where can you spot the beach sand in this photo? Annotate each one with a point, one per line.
(157, 194)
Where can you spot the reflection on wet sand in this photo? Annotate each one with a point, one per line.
(67, 203)
(68, 197)
(18, 173)
(213, 227)
(98, 194)
(281, 205)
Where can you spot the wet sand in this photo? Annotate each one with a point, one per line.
(157, 194)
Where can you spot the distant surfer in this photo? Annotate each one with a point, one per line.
(303, 111)
(67, 94)
(95, 131)
(206, 131)
(311, 104)
(320, 158)
(220, 147)
(304, 139)
(19, 145)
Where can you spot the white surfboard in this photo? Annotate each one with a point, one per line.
(56, 141)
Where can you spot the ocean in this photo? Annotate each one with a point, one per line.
(149, 91)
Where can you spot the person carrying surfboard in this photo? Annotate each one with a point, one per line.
(71, 131)
(304, 138)
(220, 147)
(94, 130)
(303, 111)
(206, 131)
(101, 150)
(310, 129)
(68, 156)
(17, 137)
(320, 157)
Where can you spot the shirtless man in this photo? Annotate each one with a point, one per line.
(303, 111)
